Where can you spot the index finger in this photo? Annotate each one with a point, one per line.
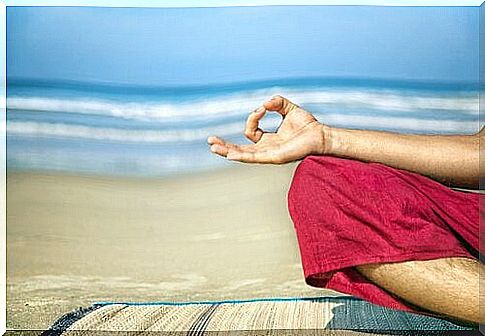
(252, 131)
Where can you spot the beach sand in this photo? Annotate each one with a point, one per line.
(76, 240)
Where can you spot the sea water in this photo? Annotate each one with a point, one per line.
(107, 129)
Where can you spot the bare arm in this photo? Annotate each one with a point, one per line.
(449, 159)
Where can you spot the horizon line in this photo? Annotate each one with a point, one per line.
(21, 80)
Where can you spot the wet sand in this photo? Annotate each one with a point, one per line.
(75, 240)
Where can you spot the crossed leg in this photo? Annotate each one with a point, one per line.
(371, 231)
(447, 286)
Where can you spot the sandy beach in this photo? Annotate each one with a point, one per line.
(75, 240)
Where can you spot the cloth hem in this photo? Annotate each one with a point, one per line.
(339, 264)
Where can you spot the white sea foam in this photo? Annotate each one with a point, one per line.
(242, 103)
(353, 108)
(41, 129)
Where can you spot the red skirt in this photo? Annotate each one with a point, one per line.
(348, 213)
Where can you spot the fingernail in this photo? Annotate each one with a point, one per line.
(214, 148)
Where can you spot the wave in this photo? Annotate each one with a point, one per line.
(135, 132)
(242, 103)
(60, 130)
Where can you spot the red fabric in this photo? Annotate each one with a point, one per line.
(348, 213)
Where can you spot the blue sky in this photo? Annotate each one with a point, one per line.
(172, 46)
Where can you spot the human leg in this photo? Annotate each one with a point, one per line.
(447, 286)
(348, 214)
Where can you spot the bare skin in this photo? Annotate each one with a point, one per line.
(448, 286)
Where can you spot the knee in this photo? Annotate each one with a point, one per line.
(327, 181)
(303, 174)
(311, 177)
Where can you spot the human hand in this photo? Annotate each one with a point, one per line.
(298, 135)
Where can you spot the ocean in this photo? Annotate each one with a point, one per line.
(120, 130)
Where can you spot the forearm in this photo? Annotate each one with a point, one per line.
(449, 159)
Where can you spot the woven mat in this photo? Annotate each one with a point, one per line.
(254, 316)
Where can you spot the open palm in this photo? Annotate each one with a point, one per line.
(299, 135)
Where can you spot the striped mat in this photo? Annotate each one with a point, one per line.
(275, 316)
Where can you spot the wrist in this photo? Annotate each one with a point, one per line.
(326, 139)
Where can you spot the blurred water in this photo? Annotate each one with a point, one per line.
(154, 131)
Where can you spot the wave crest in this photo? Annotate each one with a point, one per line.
(242, 103)
(59, 130)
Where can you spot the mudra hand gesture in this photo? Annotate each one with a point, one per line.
(299, 135)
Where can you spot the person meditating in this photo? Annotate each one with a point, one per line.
(373, 211)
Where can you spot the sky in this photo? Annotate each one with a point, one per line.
(219, 3)
(178, 46)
